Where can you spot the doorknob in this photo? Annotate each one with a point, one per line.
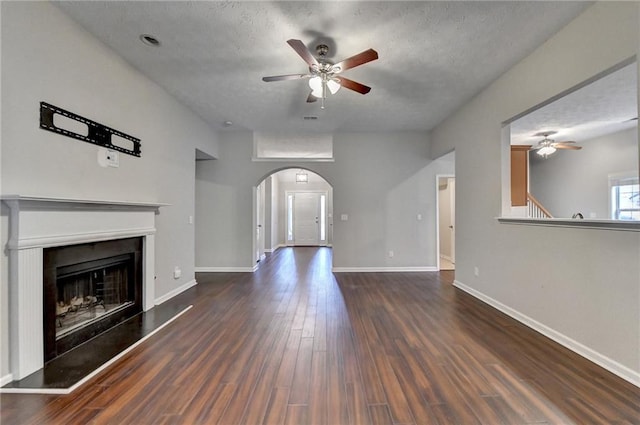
(450, 227)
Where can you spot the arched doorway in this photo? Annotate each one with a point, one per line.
(292, 207)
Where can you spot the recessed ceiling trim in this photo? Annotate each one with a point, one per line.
(292, 146)
(295, 160)
(564, 93)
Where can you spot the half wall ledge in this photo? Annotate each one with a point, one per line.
(617, 225)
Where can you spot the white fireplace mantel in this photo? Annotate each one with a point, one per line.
(36, 223)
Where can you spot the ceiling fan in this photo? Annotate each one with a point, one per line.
(546, 146)
(323, 74)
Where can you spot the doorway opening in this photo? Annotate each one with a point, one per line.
(306, 218)
(446, 200)
(293, 208)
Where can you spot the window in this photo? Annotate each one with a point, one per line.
(289, 218)
(625, 198)
(323, 218)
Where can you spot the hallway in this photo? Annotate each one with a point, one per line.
(295, 344)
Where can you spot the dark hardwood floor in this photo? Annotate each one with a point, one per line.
(295, 344)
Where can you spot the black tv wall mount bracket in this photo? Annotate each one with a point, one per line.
(97, 133)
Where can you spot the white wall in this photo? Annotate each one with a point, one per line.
(568, 182)
(581, 286)
(382, 181)
(47, 57)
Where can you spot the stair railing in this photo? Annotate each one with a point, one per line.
(535, 208)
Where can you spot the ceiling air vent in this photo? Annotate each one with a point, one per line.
(307, 118)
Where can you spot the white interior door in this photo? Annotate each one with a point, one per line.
(452, 219)
(306, 218)
(259, 252)
(446, 222)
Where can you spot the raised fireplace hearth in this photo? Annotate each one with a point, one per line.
(85, 284)
(89, 288)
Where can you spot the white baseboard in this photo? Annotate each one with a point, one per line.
(175, 292)
(275, 248)
(611, 365)
(382, 269)
(6, 379)
(226, 269)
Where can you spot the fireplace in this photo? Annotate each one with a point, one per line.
(89, 288)
(39, 224)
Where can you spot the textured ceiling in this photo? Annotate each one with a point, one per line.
(605, 106)
(434, 56)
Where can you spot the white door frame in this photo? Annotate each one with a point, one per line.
(257, 224)
(322, 242)
(438, 177)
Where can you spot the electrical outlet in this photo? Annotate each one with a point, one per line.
(391, 254)
(177, 272)
(476, 271)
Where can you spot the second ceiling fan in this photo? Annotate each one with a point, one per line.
(546, 146)
(323, 75)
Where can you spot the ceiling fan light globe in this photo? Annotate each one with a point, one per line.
(546, 151)
(333, 86)
(317, 93)
(315, 83)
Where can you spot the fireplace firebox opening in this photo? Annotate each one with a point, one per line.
(88, 289)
